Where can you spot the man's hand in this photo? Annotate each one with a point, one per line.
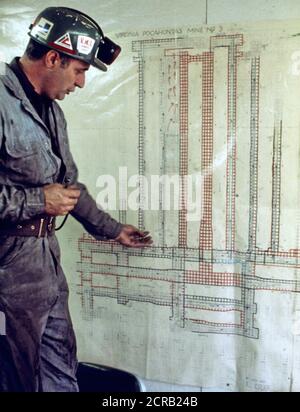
(132, 237)
(60, 200)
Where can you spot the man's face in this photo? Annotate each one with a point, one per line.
(64, 78)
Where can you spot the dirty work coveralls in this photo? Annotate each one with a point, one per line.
(38, 349)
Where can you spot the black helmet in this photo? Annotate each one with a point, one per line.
(75, 34)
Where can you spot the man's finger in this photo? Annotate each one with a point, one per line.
(144, 237)
(142, 241)
(140, 234)
(72, 193)
(71, 202)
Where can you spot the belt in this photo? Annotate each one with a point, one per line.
(35, 227)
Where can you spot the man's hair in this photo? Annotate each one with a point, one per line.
(35, 51)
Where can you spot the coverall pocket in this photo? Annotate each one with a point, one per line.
(19, 151)
(19, 156)
(28, 161)
(19, 138)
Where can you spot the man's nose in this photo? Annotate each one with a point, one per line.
(80, 81)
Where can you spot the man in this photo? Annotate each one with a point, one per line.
(38, 181)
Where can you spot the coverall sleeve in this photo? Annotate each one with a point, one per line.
(18, 203)
(97, 222)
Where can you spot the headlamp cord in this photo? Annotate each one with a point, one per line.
(63, 222)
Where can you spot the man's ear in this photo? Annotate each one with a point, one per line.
(52, 59)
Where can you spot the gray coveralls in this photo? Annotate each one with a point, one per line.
(38, 349)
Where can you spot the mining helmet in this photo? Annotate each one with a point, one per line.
(75, 34)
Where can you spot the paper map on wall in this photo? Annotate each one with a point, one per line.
(215, 302)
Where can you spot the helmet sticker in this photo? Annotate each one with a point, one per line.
(64, 41)
(85, 44)
(42, 29)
